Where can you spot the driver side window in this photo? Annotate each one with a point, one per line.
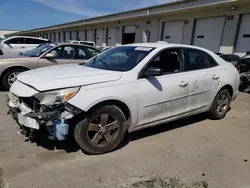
(64, 52)
(169, 60)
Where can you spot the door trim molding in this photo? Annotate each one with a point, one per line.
(168, 119)
(181, 97)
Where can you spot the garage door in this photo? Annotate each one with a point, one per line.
(89, 35)
(99, 37)
(73, 35)
(67, 36)
(208, 33)
(81, 35)
(173, 32)
(243, 42)
(112, 34)
(61, 36)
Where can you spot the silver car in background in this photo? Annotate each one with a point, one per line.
(47, 54)
(19, 44)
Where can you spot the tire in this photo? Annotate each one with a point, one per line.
(5, 79)
(87, 138)
(219, 109)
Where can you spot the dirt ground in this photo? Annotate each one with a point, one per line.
(194, 152)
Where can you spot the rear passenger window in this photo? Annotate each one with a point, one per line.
(86, 53)
(33, 41)
(16, 41)
(197, 59)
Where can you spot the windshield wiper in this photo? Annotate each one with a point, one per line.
(106, 65)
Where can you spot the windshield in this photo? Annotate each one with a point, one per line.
(122, 58)
(36, 52)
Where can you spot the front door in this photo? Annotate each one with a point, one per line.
(64, 54)
(164, 96)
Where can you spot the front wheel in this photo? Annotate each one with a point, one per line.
(102, 131)
(221, 105)
(10, 77)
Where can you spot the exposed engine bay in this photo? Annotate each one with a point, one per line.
(32, 115)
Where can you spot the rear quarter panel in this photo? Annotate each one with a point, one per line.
(230, 76)
(228, 73)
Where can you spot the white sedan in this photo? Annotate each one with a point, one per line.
(124, 89)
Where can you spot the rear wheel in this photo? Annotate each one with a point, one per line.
(221, 105)
(102, 131)
(10, 77)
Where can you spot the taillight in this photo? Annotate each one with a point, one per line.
(238, 69)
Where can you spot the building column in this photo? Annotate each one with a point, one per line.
(188, 31)
(119, 35)
(105, 33)
(229, 34)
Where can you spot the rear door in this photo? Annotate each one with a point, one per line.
(204, 78)
(31, 43)
(84, 53)
(64, 54)
(13, 46)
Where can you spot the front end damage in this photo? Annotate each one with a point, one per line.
(35, 117)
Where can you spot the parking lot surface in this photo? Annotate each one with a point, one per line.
(191, 150)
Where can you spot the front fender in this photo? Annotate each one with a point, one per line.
(125, 93)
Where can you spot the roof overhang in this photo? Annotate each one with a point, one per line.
(159, 10)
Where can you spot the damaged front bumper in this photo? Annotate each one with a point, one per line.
(32, 116)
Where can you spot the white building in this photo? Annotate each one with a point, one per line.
(219, 25)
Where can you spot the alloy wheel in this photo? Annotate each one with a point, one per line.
(222, 104)
(103, 130)
(12, 77)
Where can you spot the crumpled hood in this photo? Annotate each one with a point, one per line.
(64, 76)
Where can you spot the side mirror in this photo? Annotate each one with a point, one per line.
(152, 71)
(50, 56)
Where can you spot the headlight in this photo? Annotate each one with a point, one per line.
(56, 96)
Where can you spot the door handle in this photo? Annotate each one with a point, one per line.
(215, 77)
(22, 47)
(183, 84)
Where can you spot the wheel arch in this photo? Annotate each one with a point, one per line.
(120, 104)
(11, 68)
(229, 88)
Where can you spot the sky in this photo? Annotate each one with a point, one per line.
(30, 14)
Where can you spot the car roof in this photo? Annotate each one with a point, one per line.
(162, 44)
(26, 37)
(74, 44)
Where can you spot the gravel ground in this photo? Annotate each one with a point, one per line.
(191, 153)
